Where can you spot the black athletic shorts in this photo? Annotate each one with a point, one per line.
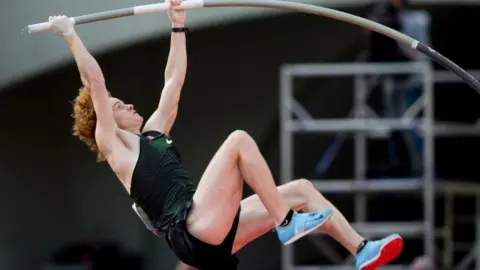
(199, 254)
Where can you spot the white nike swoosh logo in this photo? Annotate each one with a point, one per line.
(169, 141)
(297, 231)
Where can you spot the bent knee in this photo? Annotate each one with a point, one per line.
(297, 188)
(301, 186)
(297, 193)
(306, 187)
(240, 137)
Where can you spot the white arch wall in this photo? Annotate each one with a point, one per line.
(23, 55)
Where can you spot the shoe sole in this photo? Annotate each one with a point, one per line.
(298, 236)
(388, 252)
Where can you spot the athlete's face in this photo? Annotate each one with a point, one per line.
(125, 115)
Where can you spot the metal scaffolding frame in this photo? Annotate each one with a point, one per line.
(361, 124)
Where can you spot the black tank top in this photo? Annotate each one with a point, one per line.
(161, 186)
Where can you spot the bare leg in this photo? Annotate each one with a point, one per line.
(219, 192)
(300, 195)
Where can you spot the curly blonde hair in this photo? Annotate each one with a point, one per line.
(86, 121)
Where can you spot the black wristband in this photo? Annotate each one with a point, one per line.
(179, 29)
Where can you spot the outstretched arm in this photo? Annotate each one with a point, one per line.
(164, 116)
(93, 81)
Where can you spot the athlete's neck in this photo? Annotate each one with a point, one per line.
(135, 130)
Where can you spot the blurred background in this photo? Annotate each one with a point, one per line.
(411, 169)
